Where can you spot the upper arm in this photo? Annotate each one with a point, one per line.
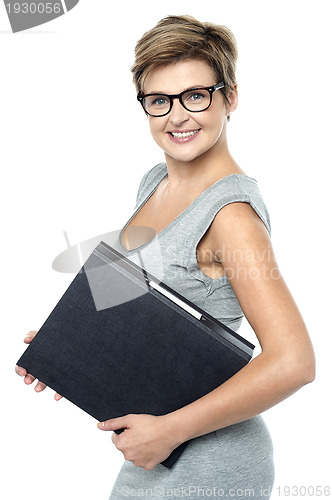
(243, 246)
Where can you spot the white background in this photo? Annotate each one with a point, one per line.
(74, 146)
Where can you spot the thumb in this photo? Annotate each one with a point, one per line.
(113, 424)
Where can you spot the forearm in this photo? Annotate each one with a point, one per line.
(260, 385)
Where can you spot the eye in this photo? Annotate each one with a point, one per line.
(195, 96)
(159, 101)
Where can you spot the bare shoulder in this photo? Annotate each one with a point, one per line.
(245, 251)
(238, 225)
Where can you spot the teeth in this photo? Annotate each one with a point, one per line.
(180, 135)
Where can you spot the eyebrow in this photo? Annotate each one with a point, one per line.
(187, 88)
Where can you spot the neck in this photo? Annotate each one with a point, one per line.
(201, 172)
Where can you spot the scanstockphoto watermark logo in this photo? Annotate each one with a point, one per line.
(242, 265)
(111, 281)
(239, 264)
(24, 15)
(196, 491)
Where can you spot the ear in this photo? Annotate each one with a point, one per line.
(233, 99)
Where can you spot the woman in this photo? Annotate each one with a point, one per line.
(212, 244)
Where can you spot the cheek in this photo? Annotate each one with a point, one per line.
(153, 132)
(157, 126)
(157, 130)
(217, 123)
(212, 122)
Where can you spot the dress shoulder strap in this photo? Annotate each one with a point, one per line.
(149, 181)
(230, 189)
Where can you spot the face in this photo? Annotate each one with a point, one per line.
(207, 127)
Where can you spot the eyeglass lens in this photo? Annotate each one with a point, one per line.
(193, 100)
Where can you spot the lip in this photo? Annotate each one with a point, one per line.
(181, 140)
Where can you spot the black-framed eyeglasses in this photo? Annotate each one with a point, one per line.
(193, 100)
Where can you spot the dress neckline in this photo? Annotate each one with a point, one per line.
(176, 220)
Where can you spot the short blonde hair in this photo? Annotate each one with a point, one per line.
(177, 38)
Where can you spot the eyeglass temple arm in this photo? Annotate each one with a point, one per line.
(221, 86)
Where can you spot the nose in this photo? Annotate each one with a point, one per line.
(178, 113)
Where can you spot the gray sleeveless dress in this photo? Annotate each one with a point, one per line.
(231, 462)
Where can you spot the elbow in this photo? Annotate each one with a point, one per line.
(308, 374)
(311, 372)
(304, 371)
(296, 370)
(300, 362)
(309, 366)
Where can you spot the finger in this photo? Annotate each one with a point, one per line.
(40, 386)
(113, 424)
(28, 379)
(115, 438)
(20, 371)
(29, 336)
(57, 396)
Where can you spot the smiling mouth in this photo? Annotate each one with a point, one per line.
(183, 135)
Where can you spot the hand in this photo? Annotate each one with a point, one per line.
(146, 441)
(28, 378)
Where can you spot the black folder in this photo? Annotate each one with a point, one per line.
(120, 341)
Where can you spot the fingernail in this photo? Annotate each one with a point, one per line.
(20, 374)
(101, 425)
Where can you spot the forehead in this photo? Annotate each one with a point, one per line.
(173, 78)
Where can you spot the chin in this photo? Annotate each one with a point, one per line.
(184, 156)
